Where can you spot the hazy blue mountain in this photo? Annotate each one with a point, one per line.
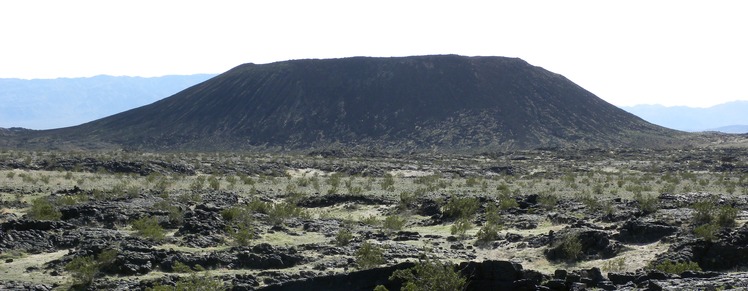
(694, 119)
(55, 103)
(732, 129)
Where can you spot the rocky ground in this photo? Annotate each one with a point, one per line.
(531, 220)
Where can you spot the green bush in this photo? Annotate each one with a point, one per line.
(464, 207)
(180, 267)
(488, 233)
(231, 213)
(707, 212)
(239, 224)
(42, 209)
(507, 202)
(214, 183)
(547, 201)
(707, 231)
(406, 199)
(369, 255)
(460, 227)
(198, 184)
(726, 216)
(259, 206)
(570, 248)
(646, 203)
(393, 223)
(343, 237)
(388, 183)
(430, 275)
(370, 220)
(242, 233)
(492, 214)
(677, 267)
(280, 212)
(704, 211)
(83, 270)
(615, 265)
(149, 228)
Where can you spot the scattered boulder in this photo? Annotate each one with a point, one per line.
(640, 231)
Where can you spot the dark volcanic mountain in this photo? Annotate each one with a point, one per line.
(444, 102)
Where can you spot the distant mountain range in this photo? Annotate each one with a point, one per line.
(731, 117)
(55, 103)
(441, 102)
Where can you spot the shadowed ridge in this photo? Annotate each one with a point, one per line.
(445, 102)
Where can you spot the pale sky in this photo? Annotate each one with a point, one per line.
(691, 53)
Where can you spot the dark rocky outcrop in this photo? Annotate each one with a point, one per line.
(360, 280)
(727, 252)
(334, 199)
(639, 231)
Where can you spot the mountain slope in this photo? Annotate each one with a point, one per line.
(427, 102)
(55, 103)
(693, 119)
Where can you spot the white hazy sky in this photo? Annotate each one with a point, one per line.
(691, 53)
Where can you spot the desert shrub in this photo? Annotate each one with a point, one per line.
(430, 274)
(343, 237)
(370, 220)
(471, 182)
(180, 267)
(547, 201)
(214, 183)
(369, 255)
(570, 248)
(726, 216)
(259, 206)
(406, 199)
(42, 209)
(71, 199)
(280, 212)
(176, 214)
(198, 184)
(464, 207)
(667, 188)
(393, 223)
(388, 183)
(239, 224)
(707, 231)
(590, 202)
(615, 265)
(83, 270)
(334, 180)
(488, 233)
(241, 231)
(190, 197)
(231, 213)
(704, 211)
(677, 267)
(149, 228)
(506, 202)
(646, 203)
(492, 214)
(460, 227)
